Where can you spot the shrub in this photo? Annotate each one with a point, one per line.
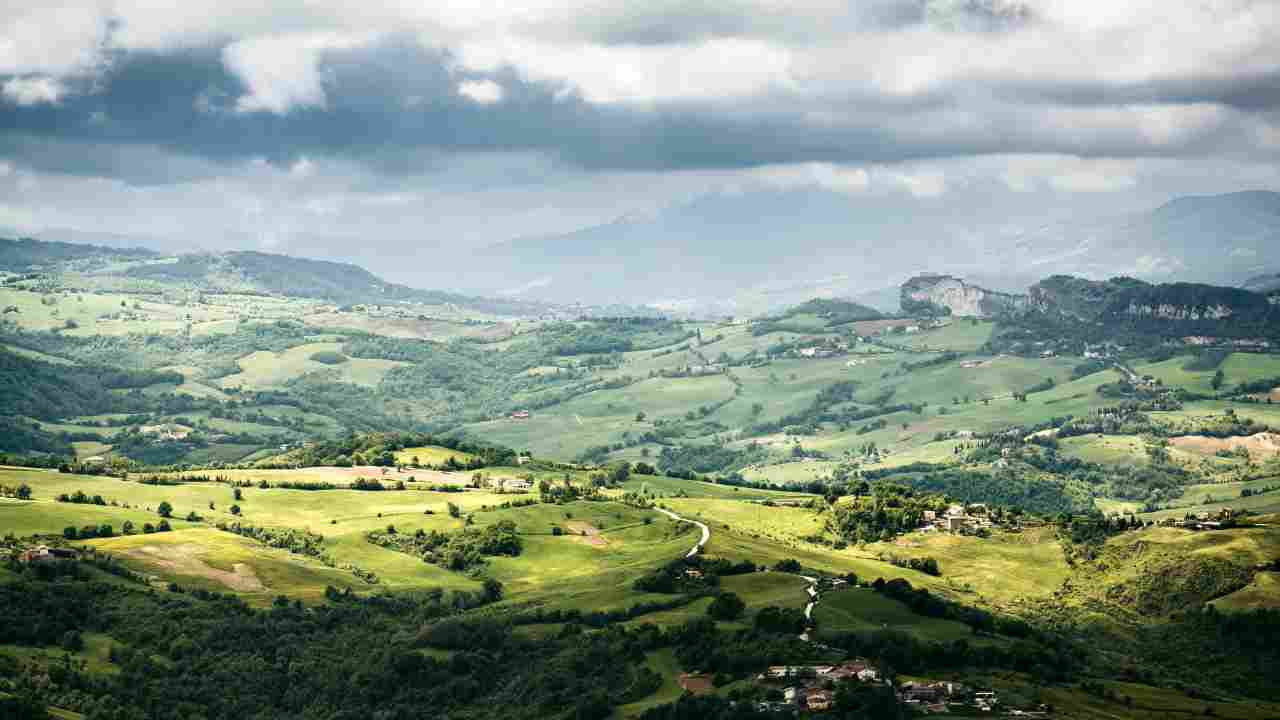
(329, 357)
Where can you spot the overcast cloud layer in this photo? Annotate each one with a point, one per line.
(299, 125)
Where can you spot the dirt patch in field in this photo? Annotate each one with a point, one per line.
(587, 533)
(1258, 444)
(182, 560)
(696, 684)
(871, 327)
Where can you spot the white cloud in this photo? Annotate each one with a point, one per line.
(837, 178)
(484, 92)
(283, 72)
(35, 90)
(717, 68)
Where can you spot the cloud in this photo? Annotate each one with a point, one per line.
(33, 90)
(283, 72)
(484, 92)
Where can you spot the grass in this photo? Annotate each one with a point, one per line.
(1148, 703)
(960, 335)
(863, 609)
(264, 369)
(1003, 569)
(47, 517)
(765, 589)
(221, 561)
(1263, 592)
(567, 429)
(778, 523)
(661, 486)
(431, 455)
(96, 654)
(663, 662)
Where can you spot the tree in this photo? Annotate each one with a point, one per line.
(163, 526)
(235, 509)
(454, 510)
(1218, 378)
(127, 528)
(23, 492)
(640, 417)
(726, 606)
(165, 509)
(619, 473)
(72, 642)
(492, 590)
(238, 495)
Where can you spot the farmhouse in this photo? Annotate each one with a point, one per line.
(818, 700)
(517, 485)
(46, 554)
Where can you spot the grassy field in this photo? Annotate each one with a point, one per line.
(567, 429)
(960, 335)
(863, 609)
(264, 369)
(431, 455)
(1263, 592)
(1149, 703)
(661, 486)
(96, 654)
(46, 517)
(221, 561)
(663, 662)
(782, 523)
(1003, 569)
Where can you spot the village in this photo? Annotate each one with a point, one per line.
(811, 689)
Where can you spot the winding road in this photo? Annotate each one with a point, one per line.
(706, 531)
(706, 535)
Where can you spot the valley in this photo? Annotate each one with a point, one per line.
(1047, 498)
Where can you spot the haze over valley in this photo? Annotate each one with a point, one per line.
(738, 360)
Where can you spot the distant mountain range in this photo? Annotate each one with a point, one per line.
(744, 251)
(254, 272)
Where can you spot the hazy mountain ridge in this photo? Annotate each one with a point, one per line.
(24, 254)
(851, 247)
(251, 272)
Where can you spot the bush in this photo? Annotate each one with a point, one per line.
(329, 357)
(726, 606)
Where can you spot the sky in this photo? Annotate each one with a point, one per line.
(395, 132)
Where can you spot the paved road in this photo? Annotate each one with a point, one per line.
(706, 531)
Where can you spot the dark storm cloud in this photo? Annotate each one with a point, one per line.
(385, 104)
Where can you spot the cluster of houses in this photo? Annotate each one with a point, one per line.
(1203, 520)
(41, 554)
(824, 350)
(946, 697)
(695, 370)
(1209, 341)
(809, 687)
(957, 519)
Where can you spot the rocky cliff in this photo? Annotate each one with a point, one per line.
(1118, 301)
(948, 295)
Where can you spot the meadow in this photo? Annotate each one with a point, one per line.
(863, 609)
